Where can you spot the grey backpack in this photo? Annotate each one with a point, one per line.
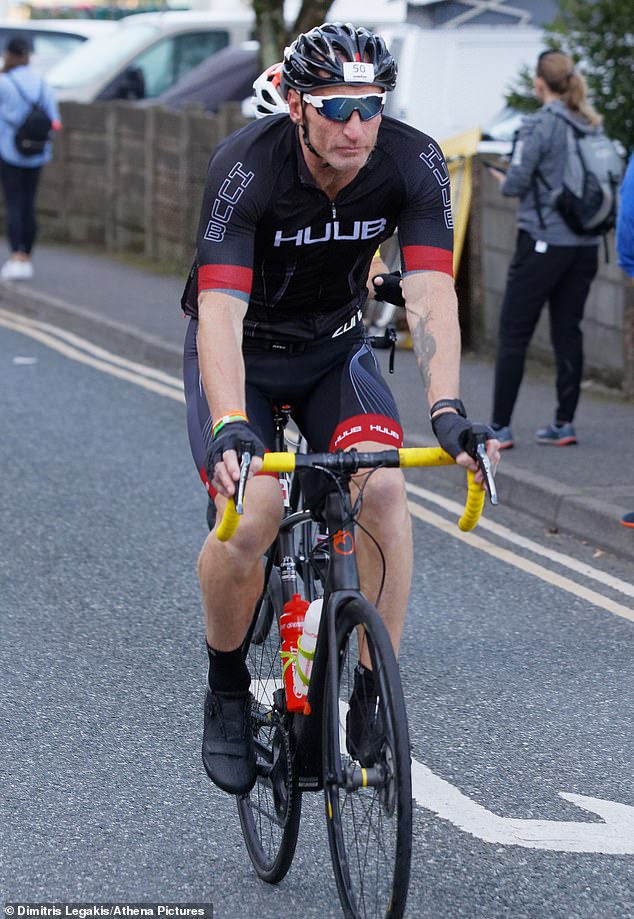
(588, 197)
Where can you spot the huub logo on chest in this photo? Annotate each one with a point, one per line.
(335, 230)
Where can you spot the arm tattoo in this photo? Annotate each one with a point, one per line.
(424, 345)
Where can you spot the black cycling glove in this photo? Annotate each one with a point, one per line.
(451, 431)
(455, 433)
(234, 435)
(390, 290)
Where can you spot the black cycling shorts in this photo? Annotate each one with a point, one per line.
(338, 394)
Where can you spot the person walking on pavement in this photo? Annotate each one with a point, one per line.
(625, 250)
(551, 262)
(20, 87)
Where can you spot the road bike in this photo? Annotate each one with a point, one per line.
(351, 737)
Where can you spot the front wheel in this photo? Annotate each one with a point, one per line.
(367, 775)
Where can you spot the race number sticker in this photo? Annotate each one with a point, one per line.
(358, 72)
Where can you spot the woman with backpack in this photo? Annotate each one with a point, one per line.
(28, 112)
(552, 262)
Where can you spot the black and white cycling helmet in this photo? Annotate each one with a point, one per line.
(268, 98)
(337, 53)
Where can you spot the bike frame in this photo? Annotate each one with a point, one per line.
(342, 584)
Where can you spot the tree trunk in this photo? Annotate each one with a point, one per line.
(312, 13)
(270, 30)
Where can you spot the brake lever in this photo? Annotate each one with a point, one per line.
(392, 337)
(245, 465)
(483, 461)
(386, 341)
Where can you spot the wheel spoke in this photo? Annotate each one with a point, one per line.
(270, 813)
(370, 828)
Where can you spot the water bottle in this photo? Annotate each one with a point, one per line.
(291, 626)
(306, 647)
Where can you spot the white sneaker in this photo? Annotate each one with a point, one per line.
(9, 271)
(15, 270)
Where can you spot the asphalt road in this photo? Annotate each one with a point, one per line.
(518, 688)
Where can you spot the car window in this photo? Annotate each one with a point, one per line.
(157, 64)
(48, 47)
(196, 47)
(172, 58)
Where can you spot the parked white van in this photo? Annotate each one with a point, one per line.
(146, 54)
(451, 80)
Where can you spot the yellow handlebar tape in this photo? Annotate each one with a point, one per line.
(229, 523)
(424, 456)
(474, 504)
(278, 462)
(408, 456)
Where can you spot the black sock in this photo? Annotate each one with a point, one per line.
(364, 681)
(228, 671)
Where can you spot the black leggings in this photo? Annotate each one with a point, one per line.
(562, 276)
(19, 184)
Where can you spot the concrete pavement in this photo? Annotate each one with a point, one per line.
(134, 311)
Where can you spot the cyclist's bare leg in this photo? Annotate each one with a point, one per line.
(231, 573)
(385, 515)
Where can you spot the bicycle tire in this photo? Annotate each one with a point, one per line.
(369, 828)
(270, 813)
(270, 602)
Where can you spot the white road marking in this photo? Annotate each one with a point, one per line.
(615, 836)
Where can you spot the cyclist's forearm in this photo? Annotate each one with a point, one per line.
(432, 315)
(220, 352)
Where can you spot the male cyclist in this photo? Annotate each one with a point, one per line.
(293, 211)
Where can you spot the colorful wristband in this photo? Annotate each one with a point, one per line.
(227, 419)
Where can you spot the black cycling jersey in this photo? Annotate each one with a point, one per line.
(269, 235)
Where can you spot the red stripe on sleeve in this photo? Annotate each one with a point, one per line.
(428, 258)
(225, 277)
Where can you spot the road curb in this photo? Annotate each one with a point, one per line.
(566, 510)
(555, 504)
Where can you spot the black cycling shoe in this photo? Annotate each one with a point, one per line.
(365, 729)
(228, 748)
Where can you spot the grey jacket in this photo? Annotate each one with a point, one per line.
(541, 146)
